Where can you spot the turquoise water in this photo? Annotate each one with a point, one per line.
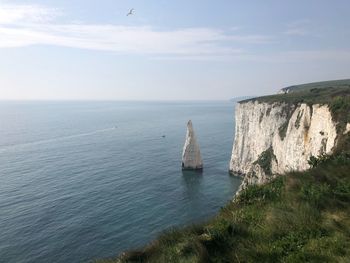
(87, 180)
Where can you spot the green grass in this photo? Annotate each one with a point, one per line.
(311, 93)
(320, 85)
(298, 217)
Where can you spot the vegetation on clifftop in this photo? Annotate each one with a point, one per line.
(319, 85)
(317, 94)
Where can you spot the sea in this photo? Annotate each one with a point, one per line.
(81, 181)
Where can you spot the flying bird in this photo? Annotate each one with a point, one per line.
(131, 12)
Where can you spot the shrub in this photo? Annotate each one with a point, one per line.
(339, 159)
(269, 192)
(340, 103)
(265, 160)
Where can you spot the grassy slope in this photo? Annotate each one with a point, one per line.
(298, 217)
(310, 96)
(323, 84)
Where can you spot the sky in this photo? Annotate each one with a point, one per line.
(168, 50)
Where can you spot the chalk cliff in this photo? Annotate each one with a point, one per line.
(275, 137)
(191, 155)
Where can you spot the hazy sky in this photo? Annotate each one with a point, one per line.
(169, 49)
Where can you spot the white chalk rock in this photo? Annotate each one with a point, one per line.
(287, 135)
(191, 155)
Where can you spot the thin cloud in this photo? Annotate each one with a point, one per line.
(10, 14)
(300, 56)
(26, 25)
(298, 28)
(296, 32)
(317, 55)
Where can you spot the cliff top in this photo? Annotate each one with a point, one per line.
(312, 93)
(320, 85)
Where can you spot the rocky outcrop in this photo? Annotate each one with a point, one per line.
(191, 156)
(274, 138)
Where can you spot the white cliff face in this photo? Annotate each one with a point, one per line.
(191, 156)
(256, 125)
(315, 135)
(273, 138)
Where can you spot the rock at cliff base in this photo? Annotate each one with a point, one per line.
(191, 156)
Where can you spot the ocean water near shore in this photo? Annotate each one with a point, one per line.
(87, 180)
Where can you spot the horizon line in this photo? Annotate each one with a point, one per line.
(115, 100)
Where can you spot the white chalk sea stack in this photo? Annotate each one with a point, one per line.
(191, 155)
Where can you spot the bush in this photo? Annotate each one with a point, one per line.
(340, 103)
(269, 192)
(265, 160)
(339, 159)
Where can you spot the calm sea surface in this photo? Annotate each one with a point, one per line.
(87, 180)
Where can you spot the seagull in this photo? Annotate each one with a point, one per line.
(131, 12)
